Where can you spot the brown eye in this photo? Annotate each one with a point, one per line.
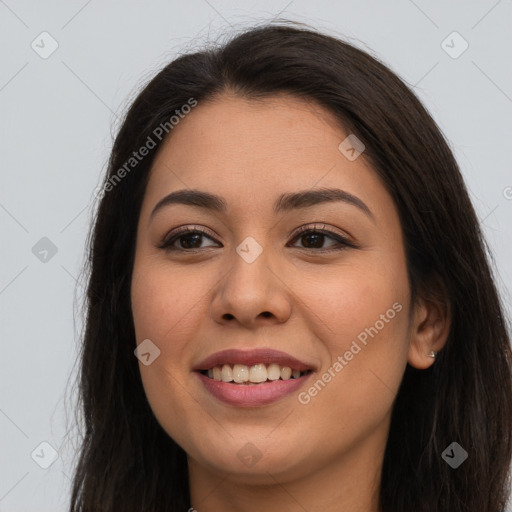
(314, 238)
(188, 239)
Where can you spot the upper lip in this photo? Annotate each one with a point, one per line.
(252, 357)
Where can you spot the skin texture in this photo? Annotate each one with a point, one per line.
(326, 454)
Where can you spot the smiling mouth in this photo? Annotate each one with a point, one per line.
(252, 375)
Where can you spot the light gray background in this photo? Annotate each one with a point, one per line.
(57, 118)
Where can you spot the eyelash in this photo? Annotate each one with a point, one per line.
(167, 242)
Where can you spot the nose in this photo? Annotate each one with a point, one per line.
(252, 293)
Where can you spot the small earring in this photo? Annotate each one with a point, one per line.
(433, 354)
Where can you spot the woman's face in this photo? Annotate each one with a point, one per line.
(251, 281)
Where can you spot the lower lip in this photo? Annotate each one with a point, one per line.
(244, 395)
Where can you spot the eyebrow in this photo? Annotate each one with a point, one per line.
(285, 202)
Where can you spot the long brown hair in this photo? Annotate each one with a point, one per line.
(128, 463)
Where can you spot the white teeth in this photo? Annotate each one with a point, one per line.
(258, 373)
(226, 373)
(273, 371)
(286, 372)
(241, 373)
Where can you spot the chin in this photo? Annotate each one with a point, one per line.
(253, 461)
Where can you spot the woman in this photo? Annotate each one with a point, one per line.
(289, 302)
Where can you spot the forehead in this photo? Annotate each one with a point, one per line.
(232, 127)
(251, 151)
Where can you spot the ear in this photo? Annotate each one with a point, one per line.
(430, 326)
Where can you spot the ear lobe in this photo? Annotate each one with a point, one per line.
(429, 330)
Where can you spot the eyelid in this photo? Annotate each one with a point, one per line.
(185, 229)
(322, 228)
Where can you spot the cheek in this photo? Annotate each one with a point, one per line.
(165, 307)
(164, 303)
(361, 317)
(352, 298)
